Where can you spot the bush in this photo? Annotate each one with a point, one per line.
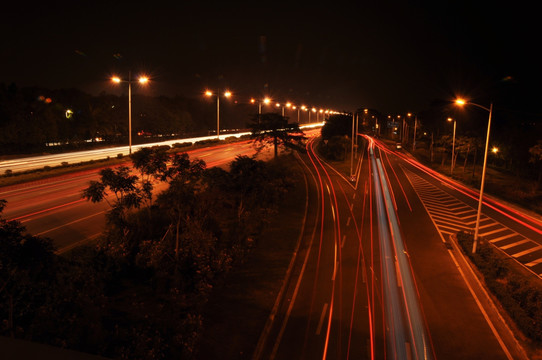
(120, 156)
(181, 145)
(519, 294)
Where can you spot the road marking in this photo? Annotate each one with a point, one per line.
(514, 244)
(70, 223)
(502, 238)
(447, 221)
(348, 221)
(528, 251)
(321, 322)
(533, 263)
(76, 244)
(495, 231)
(487, 225)
(344, 239)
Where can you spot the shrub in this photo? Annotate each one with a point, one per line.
(519, 294)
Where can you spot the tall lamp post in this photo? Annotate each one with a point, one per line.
(415, 127)
(453, 147)
(352, 150)
(462, 102)
(141, 80)
(226, 94)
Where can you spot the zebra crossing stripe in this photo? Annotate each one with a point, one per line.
(502, 237)
(533, 263)
(495, 231)
(528, 251)
(505, 247)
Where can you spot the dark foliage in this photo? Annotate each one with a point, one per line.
(519, 294)
(274, 129)
(337, 125)
(139, 293)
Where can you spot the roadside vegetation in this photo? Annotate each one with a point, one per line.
(140, 292)
(519, 293)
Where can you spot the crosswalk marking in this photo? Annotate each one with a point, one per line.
(506, 247)
(450, 215)
(528, 251)
(533, 263)
(494, 231)
(502, 238)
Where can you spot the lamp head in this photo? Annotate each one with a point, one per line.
(460, 102)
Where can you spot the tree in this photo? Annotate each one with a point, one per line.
(337, 125)
(272, 128)
(180, 197)
(128, 196)
(151, 163)
(26, 271)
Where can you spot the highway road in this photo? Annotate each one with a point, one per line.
(38, 162)
(377, 275)
(54, 207)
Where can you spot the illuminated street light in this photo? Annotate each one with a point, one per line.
(453, 148)
(352, 150)
(226, 94)
(462, 102)
(415, 127)
(142, 80)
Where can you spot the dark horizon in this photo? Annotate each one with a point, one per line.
(396, 59)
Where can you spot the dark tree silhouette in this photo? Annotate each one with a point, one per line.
(272, 128)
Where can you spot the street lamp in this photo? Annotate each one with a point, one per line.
(352, 150)
(226, 94)
(453, 147)
(462, 102)
(415, 127)
(141, 80)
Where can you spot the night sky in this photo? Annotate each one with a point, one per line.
(389, 57)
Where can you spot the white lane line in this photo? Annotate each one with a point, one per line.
(514, 244)
(528, 251)
(348, 221)
(495, 231)
(502, 237)
(70, 223)
(321, 322)
(342, 242)
(533, 263)
(488, 225)
(76, 244)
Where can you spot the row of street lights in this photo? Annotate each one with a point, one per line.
(461, 102)
(209, 93)
(227, 94)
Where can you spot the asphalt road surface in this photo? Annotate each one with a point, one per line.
(54, 207)
(378, 274)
